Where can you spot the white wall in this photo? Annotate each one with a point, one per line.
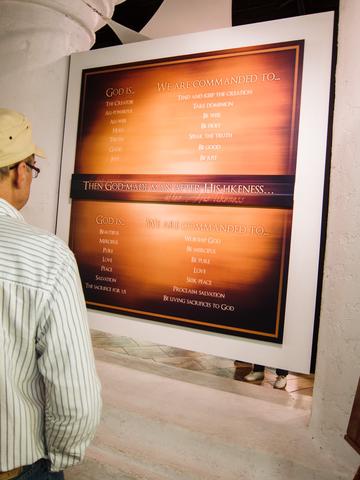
(338, 362)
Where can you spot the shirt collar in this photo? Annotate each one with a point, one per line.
(9, 211)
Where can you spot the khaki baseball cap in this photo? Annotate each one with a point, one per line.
(16, 142)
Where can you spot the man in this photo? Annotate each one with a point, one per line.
(49, 392)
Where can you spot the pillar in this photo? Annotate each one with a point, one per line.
(36, 39)
(337, 370)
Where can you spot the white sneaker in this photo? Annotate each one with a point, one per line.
(280, 382)
(254, 376)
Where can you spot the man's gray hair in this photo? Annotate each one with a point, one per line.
(4, 172)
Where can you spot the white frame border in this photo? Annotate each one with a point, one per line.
(317, 30)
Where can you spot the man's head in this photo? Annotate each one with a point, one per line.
(17, 157)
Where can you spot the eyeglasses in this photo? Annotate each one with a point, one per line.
(35, 170)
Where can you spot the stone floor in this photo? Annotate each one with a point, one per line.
(298, 384)
(170, 414)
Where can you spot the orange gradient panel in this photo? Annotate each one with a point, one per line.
(213, 114)
(176, 261)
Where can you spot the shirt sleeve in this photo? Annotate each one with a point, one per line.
(66, 363)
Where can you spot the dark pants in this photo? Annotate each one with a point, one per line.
(279, 371)
(39, 470)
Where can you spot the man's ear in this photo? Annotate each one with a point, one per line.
(20, 175)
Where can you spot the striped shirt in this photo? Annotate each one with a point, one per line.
(49, 391)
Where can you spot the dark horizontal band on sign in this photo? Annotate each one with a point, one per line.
(248, 190)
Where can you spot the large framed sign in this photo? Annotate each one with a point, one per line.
(182, 191)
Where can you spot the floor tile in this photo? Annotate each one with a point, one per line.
(298, 384)
(149, 351)
(161, 422)
(187, 363)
